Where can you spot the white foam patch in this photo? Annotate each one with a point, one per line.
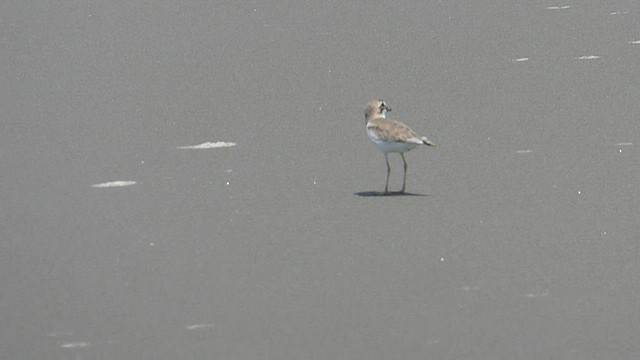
(209, 145)
(564, 7)
(75, 345)
(538, 295)
(521, 59)
(119, 183)
(524, 151)
(199, 326)
(588, 57)
(637, 42)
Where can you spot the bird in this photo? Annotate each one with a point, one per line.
(390, 136)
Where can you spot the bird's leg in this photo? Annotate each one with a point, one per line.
(404, 181)
(386, 186)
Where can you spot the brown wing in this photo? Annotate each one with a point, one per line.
(392, 129)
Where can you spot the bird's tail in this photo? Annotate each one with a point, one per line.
(427, 141)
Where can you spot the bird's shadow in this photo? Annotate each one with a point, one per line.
(389, 194)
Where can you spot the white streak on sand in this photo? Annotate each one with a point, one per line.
(538, 295)
(564, 7)
(624, 144)
(209, 145)
(523, 151)
(588, 57)
(118, 183)
(75, 345)
(636, 42)
(521, 59)
(199, 326)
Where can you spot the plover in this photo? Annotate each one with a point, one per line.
(390, 136)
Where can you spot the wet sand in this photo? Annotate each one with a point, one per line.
(133, 229)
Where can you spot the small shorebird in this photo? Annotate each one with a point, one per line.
(390, 136)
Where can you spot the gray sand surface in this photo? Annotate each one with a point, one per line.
(520, 239)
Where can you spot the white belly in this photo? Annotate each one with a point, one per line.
(398, 147)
